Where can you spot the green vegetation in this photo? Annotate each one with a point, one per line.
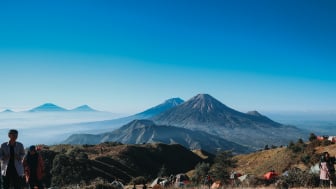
(68, 165)
(201, 170)
(223, 165)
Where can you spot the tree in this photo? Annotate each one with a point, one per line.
(312, 137)
(201, 170)
(300, 141)
(266, 147)
(163, 171)
(70, 169)
(223, 165)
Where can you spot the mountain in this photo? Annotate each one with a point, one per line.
(205, 113)
(204, 109)
(146, 131)
(170, 103)
(7, 111)
(107, 125)
(84, 108)
(48, 107)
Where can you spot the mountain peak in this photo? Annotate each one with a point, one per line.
(48, 107)
(174, 101)
(7, 111)
(254, 113)
(84, 108)
(166, 105)
(203, 96)
(201, 109)
(205, 103)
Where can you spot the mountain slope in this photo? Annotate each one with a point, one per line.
(84, 108)
(146, 131)
(108, 125)
(204, 109)
(48, 107)
(166, 105)
(7, 111)
(205, 113)
(111, 161)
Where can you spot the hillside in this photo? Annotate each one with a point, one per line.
(125, 162)
(146, 131)
(117, 161)
(301, 156)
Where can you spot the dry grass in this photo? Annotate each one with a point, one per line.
(261, 162)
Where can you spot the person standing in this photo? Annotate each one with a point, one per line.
(330, 164)
(324, 171)
(34, 168)
(11, 156)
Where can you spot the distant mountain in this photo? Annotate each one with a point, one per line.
(205, 113)
(146, 131)
(170, 103)
(107, 125)
(48, 107)
(7, 111)
(84, 108)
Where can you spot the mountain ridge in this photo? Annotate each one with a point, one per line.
(146, 131)
(205, 113)
(51, 107)
(201, 113)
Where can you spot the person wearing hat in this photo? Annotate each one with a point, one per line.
(11, 156)
(34, 168)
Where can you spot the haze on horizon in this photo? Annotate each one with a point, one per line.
(127, 56)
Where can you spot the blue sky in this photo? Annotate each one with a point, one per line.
(127, 56)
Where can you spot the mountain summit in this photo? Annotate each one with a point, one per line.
(48, 107)
(168, 104)
(203, 110)
(84, 108)
(205, 113)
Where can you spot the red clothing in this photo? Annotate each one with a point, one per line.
(39, 168)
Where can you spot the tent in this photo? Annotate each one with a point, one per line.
(117, 184)
(269, 175)
(243, 177)
(158, 180)
(315, 169)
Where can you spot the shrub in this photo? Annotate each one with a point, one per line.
(326, 143)
(297, 178)
(223, 165)
(312, 137)
(201, 170)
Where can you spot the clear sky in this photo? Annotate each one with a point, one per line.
(125, 56)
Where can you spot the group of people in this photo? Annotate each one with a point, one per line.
(18, 168)
(327, 170)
